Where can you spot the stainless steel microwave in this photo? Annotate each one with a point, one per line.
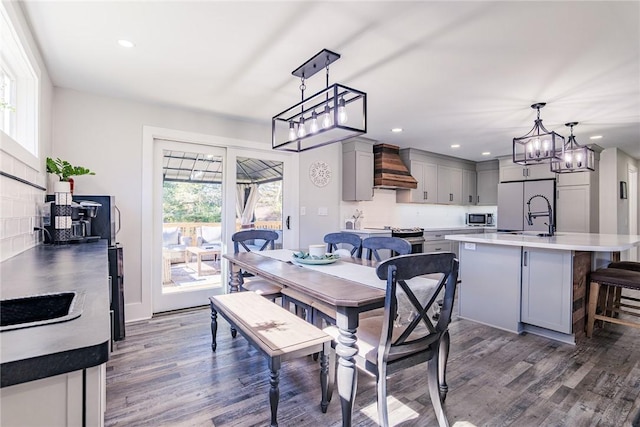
(479, 219)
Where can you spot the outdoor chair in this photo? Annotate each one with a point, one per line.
(174, 244)
(244, 241)
(395, 244)
(334, 239)
(404, 335)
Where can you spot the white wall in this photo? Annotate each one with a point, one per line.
(19, 202)
(105, 135)
(614, 211)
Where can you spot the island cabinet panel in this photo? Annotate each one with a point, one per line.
(485, 296)
(546, 289)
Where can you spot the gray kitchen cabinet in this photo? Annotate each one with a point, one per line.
(427, 191)
(546, 289)
(469, 187)
(510, 171)
(357, 170)
(449, 185)
(577, 201)
(434, 241)
(488, 187)
(490, 285)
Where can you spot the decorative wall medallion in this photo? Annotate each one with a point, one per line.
(320, 173)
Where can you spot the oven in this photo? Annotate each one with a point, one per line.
(415, 236)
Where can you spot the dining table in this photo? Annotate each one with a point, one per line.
(349, 284)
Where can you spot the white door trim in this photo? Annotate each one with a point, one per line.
(142, 308)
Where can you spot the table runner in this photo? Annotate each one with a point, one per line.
(345, 270)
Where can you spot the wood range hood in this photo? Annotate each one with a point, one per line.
(389, 171)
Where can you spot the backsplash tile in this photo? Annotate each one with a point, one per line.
(19, 208)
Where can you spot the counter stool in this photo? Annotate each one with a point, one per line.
(606, 299)
(626, 265)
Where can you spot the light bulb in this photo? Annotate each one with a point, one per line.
(342, 112)
(326, 117)
(301, 130)
(313, 128)
(292, 131)
(579, 159)
(567, 160)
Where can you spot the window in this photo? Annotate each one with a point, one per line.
(19, 87)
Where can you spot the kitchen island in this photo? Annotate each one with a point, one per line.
(54, 374)
(521, 282)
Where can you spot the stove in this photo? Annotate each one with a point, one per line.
(414, 235)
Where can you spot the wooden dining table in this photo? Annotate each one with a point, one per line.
(349, 297)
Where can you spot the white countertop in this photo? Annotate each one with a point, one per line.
(561, 241)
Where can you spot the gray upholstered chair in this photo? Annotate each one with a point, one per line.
(174, 244)
(404, 335)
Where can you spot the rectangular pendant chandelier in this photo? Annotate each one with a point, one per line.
(539, 145)
(575, 157)
(333, 114)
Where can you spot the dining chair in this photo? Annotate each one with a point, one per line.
(258, 240)
(334, 239)
(395, 244)
(404, 335)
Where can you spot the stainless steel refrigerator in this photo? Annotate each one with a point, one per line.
(513, 209)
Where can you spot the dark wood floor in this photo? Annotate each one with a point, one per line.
(165, 374)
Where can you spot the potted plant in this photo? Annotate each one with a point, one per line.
(65, 170)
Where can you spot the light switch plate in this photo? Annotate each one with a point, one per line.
(303, 210)
(323, 211)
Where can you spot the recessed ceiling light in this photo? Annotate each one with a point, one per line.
(455, 145)
(486, 153)
(397, 130)
(126, 43)
(596, 137)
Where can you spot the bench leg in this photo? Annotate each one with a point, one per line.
(214, 325)
(274, 391)
(327, 376)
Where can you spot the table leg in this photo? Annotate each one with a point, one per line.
(346, 349)
(234, 286)
(199, 258)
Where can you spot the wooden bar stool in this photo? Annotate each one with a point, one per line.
(606, 299)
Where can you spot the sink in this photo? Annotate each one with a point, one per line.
(38, 310)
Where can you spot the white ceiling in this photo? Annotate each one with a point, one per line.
(447, 72)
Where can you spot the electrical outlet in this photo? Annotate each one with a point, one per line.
(323, 211)
(303, 210)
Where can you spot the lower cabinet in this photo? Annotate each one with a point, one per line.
(546, 289)
(57, 400)
(510, 287)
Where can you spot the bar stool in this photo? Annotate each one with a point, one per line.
(626, 265)
(605, 294)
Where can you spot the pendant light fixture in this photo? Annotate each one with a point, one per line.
(539, 145)
(575, 157)
(333, 114)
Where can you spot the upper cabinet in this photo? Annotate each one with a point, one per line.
(449, 185)
(427, 176)
(510, 171)
(441, 179)
(469, 187)
(357, 170)
(488, 177)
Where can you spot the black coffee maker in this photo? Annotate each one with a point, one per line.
(83, 213)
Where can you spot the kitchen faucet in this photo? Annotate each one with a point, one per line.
(548, 214)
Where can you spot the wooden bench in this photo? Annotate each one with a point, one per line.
(278, 334)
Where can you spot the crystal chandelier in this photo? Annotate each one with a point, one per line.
(539, 145)
(575, 157)
(333, 114)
